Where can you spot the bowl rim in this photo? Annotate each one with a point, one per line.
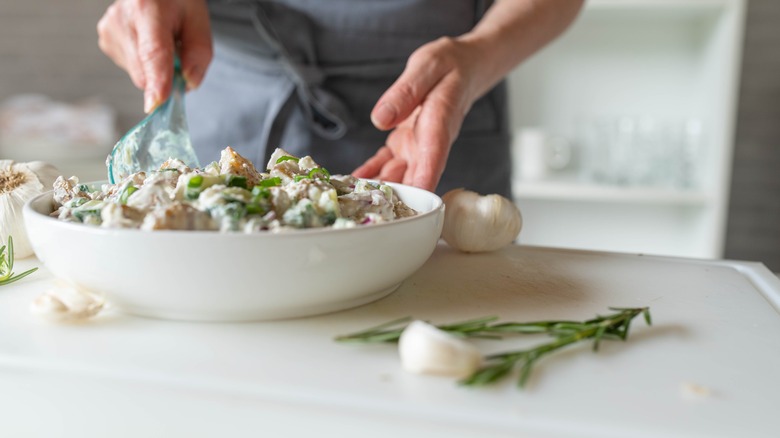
(438, 207)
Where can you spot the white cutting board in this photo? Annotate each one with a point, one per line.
(716, 325)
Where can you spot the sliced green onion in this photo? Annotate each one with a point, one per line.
(271, 182)
(89, 208)
(330, 217)
(126, 194)
(254, 209)
(76, 202)
(320, 170)
(298, 178)
(387, 191)
(235, 181)
(261, 192)
(284, 158)
(81, 215)
(83, 188)
(195, 181)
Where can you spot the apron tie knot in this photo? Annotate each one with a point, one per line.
(328, 115)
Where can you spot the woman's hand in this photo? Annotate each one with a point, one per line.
(142, 36)
(425, 108)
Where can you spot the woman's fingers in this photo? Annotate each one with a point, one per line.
(394, 170)
(156, 52)
(196, 50)
(117, 38)
(436, 128)
(416, 151)
(384, 166)
(141, 37)
(425, 68)
(426, 107)
(132, 62)
(373, 166)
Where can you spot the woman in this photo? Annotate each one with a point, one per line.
(330, 79)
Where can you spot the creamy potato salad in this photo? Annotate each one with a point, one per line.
(231, 196)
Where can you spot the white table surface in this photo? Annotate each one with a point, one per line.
(715, 324)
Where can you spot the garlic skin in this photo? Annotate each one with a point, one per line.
(66, 302)
(20, 182)
(424, 349)
(475, 223)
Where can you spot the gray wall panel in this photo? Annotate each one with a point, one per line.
(754, 213)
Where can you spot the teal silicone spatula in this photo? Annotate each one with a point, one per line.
(163, 134)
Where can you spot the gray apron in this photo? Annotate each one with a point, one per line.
(304, 75)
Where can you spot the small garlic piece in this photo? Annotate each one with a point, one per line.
(66, 302)
(695, 391)
(424, 349)
(20, 182)
(474, 223)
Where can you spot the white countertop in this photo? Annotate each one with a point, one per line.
(715, 324)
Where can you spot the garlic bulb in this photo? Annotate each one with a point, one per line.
(474, 223)
(20, 182)
(66, 302)
(424, 349)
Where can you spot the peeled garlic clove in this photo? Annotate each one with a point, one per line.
(424, 349)
(474, 223)
(66, 302)
(20, 182)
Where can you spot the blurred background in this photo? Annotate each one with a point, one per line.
(651, 126)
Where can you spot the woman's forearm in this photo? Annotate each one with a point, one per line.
(512, 30)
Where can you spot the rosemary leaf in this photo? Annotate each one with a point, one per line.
(7, 264)
(380, 333)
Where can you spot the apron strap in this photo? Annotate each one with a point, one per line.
(328, 115)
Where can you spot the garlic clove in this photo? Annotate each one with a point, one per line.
(48, 304)
(475, 223)
(20, 182)
(67, 302)
(46, 172)
(424, 349)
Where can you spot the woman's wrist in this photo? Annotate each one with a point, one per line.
(488, 66)
(511, 31)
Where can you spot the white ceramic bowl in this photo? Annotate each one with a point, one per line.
(210, 276)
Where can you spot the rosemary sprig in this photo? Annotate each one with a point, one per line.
(391, 331)
(498, 366)
(7, 264)
(613, 326)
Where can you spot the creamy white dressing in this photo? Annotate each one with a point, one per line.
(231, 196)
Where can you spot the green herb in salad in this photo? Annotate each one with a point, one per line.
(287, 158)
(260, 192)
(316, 173)
(498, 366)
(195, 182)
(235, 181)
(270, 182)
(129, 190)
(320, 173)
